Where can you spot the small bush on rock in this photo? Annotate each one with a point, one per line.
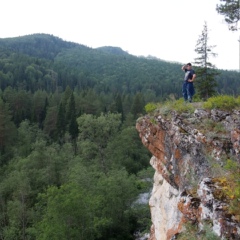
(179, 106)
(150, 107)
(222, 102)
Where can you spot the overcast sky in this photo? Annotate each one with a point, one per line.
(168, 30)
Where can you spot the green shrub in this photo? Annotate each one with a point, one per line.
(223, 102)
(180, 106)
(165, 108)
(233, 187)
(150, 107)
(209, 234)
(192, 233)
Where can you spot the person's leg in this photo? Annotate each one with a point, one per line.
(184, 91)
(189, 97)
(190, 91)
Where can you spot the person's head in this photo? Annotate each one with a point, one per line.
(189, 65)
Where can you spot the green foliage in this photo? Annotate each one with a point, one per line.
(180, 106)
(128, 151)
(233, 186)
(27, 135)
(177, 105)
(94, 135)
(230, 9)
(138, 105)
(20, 104)
(212, 128)
(141, 214)
(7, 132)
(72, 164)
(64, 184)
(44, 62)
(61, 123)
(150, 107)
(50, 122)
(191, 232)
(40, 104)
(223, 102)
(71, 213)
(205, 81)
(38, 45)
(118, 191)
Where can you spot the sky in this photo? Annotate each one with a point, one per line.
(168, 30)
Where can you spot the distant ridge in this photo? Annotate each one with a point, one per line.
(113, 50)
(34, 58)
(37, 45)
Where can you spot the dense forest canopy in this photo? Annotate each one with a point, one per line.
(68, 138)
(45, 62)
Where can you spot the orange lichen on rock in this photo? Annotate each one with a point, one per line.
(181, 154)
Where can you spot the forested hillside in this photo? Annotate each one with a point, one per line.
(71, 162)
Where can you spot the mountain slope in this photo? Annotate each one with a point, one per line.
(37, 45)
(113, 50)
(106, 69)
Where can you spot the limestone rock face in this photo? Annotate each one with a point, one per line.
(164, 200)
(185, 149)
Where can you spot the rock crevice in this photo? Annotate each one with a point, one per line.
(186, 148)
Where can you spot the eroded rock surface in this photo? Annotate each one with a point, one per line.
(188, 151)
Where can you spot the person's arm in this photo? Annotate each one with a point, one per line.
(184, 67)
(193, 77)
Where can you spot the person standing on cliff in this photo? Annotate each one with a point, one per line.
(188, 88)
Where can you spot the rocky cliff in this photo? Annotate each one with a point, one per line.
(189, 152)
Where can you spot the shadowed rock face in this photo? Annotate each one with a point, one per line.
(184, 153)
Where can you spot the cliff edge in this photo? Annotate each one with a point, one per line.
(191, 185)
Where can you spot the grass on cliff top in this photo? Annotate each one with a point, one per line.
(220, 102)
(165, 108)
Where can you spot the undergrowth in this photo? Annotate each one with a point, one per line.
(192, 233)
(168, 106)
(210, 127)
(222, 102)
(180, 106)
(151, 107)
(232, 189)
(228, 190)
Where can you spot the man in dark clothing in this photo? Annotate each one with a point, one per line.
(188, 88)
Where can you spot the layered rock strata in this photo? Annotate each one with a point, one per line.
(189, 151)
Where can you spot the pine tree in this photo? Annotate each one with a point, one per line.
(71, 118)
(205, 82)
(61, 123)
(138, 105)
(66, 96)
(7, 132)
(119, 106)
(43, 113)
(231, 10)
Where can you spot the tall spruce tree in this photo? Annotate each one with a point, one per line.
(206, 72)
(71, 118)
(61, 123)
(119, 106)
(138, 104)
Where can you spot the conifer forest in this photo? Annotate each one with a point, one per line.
(72, 165)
